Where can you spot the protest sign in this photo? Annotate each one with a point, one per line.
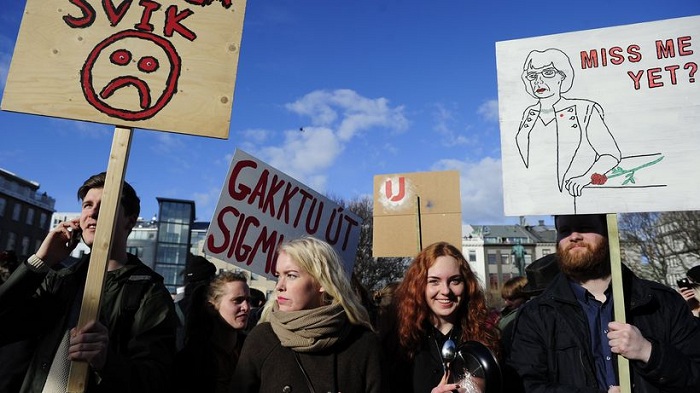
(166, 65)
(413, 210)
(260, 207)
(601, 121)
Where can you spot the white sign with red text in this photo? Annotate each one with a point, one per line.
(601, 121)
(260, 207)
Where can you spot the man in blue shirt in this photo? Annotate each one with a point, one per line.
(565, 340)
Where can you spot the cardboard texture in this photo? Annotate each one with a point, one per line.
(398, 232)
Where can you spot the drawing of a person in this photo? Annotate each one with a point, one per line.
(563, 138)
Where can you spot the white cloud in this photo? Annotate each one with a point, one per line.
(4, 68)
(481, 189)
(305, 155)
(336, 117)
(5, 56)
(348, 112)
(446, 125)
(256, 135)
(489, 110)
(206, 203)
(167, 143)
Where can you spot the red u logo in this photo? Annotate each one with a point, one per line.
(389, 189)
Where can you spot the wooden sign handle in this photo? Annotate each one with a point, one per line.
(99, 255)
(618, 296)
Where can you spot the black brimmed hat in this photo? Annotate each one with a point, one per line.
(540, 273)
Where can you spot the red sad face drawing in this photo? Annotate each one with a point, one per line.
(131, 75)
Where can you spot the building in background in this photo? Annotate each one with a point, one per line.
(24, 214)
(497, 253)
(165, 241)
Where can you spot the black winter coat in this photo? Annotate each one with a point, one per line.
(265, 366)
(208, 360)
(551, 350)
(141, 336)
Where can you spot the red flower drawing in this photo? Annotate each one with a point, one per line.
(598, 179)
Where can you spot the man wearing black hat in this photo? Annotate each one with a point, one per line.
(565, 340)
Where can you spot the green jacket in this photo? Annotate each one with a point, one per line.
(136, 308)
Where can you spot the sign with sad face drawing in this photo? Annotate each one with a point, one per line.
(166, 65)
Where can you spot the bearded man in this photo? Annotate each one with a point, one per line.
(565, 340)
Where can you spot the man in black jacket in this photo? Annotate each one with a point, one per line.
(566, 340)
(131, 347)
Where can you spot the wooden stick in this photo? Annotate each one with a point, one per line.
(419, 225)
(618, 297)
(99, 255)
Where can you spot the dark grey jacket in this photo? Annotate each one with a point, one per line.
(351, 365)
(551, 349)
(141, 329)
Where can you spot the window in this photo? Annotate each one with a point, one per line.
(25, 246)
(42, 219)
(505, 259)
(491, 258)
(11, 240)
(546, 251)
(30, 216)
(135, 251)
(493, 281)
(472, 255)
(3, 202)
(16, 211)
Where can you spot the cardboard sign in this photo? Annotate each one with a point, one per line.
(261, 207)
(166, 65)
(399, 230)
(601, 121)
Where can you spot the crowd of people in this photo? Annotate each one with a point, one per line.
(321, 332)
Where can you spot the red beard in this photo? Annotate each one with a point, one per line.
(583, 265)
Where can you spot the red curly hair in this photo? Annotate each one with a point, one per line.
(413, 314)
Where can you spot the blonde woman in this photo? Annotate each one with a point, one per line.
(315, 336)
(215, 336)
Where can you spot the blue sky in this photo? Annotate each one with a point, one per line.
(379, 86)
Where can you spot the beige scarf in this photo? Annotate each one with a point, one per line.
(310, 330)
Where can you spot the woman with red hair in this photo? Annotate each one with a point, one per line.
(440, 298)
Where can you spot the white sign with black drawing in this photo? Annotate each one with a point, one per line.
(601, 121)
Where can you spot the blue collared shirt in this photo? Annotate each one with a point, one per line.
(598, 315)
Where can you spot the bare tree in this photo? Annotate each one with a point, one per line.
(660, 246)
(372, 273)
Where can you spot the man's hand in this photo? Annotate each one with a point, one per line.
(627, 340)
(53, 249)
(89, 344)
(614, 389)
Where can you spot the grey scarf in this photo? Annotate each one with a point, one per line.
(310, 330)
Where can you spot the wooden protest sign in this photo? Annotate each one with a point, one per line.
(601, 121)
(260, 207)
(167, 65)
(99, 254)
(412, 210)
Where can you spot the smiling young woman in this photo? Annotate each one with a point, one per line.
(440, 298)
